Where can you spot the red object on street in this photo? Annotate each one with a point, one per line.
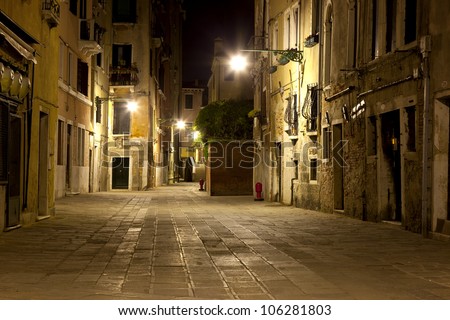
(258, 190)
(201, 182)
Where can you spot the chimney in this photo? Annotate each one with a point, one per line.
(218, 47)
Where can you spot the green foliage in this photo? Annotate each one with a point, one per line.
(225, 120)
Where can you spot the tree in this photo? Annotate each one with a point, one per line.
(225, 120)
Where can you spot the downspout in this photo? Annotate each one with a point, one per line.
(320, 72)
(425, 46)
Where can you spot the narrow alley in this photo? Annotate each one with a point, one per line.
(176, 242)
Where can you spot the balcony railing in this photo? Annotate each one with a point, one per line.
(91, 37)
(51, 12)
(123, 76)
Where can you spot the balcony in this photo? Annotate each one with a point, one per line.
(51, 12)
(91, 37)
(121, 76)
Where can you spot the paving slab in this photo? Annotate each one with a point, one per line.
(175, 242)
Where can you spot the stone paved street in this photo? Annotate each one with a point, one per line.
(178, 243)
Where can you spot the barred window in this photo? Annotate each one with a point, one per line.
(310, 107)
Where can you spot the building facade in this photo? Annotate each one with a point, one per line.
(70, 73)
(28, 110)
(356, 121)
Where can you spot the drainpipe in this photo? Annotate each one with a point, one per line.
(425, 46)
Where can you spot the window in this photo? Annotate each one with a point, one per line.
(122, 118)
(313, 169)
(310, 107)
(189, 101)
(62, 55)
(70, 69)
(274, 41)
(80, 149)
(315, 24)
(372, 136)
(98, 110)
(82, 77)
(326, 138)
(328, 45)
(124, 11)
(99, 60)
(312, 156)
(60, 155)
(374, 28)
(391, 14)
(122, 55)
(73, 7)
(296, 26)
(287, 30)
(411, 129)
(410, 21)
(352, 33)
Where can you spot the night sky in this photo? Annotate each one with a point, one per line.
(231, 20)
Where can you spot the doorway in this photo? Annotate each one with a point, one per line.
(391, 167)
(338, 167)
(13, 213)
(120, 171)
(69, 157)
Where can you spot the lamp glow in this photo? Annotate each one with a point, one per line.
(238, 63)
(180, 124)
(132, 106)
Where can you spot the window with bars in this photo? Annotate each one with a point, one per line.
(310, 107)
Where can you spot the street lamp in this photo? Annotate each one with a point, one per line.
(238, 63)
(132, 106)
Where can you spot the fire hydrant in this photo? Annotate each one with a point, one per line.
(258, 190)
(201, 182)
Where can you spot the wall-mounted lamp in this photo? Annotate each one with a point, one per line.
(7, 76)
(327, 118)
(345, 113)
(14, 83)
(358, 109)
